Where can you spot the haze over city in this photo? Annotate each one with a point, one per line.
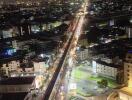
(65, 50)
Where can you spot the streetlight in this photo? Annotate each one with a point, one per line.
(42, 55)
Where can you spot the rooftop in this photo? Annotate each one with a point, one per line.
(12, 96)
(17, 80)
(15, 56)
(108, 64)
(39, 59)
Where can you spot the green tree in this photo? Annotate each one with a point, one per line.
(103, 83)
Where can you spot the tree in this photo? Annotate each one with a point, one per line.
(103, 83)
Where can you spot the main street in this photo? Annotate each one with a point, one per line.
(62, 92)
(75, 30)
(67, 82)
(51, 87)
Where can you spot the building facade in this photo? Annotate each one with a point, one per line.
(17, 84)
(39, 67)
(128, 70)
(108, 70)
(9, 67)
(82, 54)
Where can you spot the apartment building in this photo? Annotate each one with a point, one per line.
(9, 67)
(108, 70)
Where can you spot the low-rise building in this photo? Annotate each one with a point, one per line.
(108, 70)
(26, 66)
(9, 32)
(9, 67)
(16, 84)
(41, 65)
(109, 59)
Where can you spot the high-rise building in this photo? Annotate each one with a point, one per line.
(128, 70)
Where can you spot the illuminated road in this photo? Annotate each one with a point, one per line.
(64, 87)
(62, 91)
(55, 81)
(59, 71)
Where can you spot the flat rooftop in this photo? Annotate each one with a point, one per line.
(13, 96)
(109, 64)
(17, 80)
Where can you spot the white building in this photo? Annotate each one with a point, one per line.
(107, 70)
(9, 67)
(7, 33)
(10, 32)
(13, 68)
(39, 67)
(82, 54)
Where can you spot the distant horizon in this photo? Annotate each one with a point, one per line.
(23, 1)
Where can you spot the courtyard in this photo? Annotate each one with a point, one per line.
(86, 82)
